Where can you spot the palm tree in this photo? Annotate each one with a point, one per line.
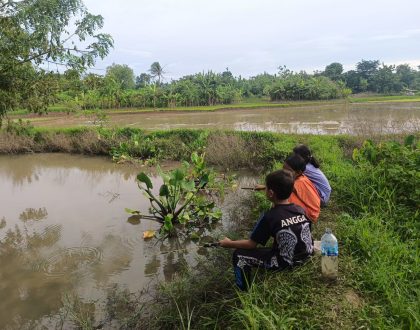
(156, 70)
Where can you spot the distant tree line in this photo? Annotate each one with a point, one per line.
(119, 87)
(372, 76)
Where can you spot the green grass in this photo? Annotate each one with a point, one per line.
(241, 105)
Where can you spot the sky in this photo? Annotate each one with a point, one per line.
(255, 36)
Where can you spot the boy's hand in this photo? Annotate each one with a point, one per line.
(225, 242)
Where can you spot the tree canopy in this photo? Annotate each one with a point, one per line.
(37, 34)
(122, 74)
(334, 71)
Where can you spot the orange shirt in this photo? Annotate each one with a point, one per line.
(305, 195)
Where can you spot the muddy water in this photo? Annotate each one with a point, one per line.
(336, 118)
(63, 228)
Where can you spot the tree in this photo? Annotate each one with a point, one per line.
(156, 71)
(386, 81)
(367, 70)
(334, 71)
(34, 33)
(92, 81)
(354, 81)
(121, 74)
(227, 77)
(143, 80)
(110, 91)
(405, 74)
(71, 82)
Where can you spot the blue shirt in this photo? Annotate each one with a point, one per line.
(320, 182)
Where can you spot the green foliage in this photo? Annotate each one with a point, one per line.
(33, 33)
(123, 75)
(138, 146)
(181, 198)
(208, 90)
(334, 71)
(20, 127)
(370, 76)
(381, 229)
(304, 87)
(392, 172)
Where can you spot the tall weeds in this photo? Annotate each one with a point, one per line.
(381, 231)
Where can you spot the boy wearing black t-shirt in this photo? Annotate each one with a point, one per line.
(285, 222)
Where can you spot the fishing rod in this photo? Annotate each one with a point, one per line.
(256, 188)
(205, 245)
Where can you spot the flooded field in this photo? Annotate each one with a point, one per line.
(63, 229)
(338, 118)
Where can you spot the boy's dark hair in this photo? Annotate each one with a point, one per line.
(306, 154)
(281, 182)
(296, 162)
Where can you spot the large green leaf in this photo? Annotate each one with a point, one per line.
(164, 190)
(178, 175)
(188, 185)
(142, 177)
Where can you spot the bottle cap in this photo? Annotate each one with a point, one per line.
(328, 230)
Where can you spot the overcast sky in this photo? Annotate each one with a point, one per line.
(253, 36)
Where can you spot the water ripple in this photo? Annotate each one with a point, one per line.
(71, 260)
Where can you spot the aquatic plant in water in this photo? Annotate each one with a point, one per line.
(182, 198)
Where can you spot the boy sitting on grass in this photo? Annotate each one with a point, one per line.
(285, 222)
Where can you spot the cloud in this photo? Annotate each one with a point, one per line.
(253, 36)
(402, 35)
(135, 52)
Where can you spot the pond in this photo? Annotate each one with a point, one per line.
(328, 118)
(63, 229)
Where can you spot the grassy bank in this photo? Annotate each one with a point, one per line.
(385, 98)
(373, 212)
(245, 104)
(240, 105)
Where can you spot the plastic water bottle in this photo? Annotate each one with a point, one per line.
(329, 255)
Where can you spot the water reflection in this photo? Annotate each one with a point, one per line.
(117, 257)
(25, 292)
(33, 214)
(152, 266)
(27, 169)
(65, 229)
